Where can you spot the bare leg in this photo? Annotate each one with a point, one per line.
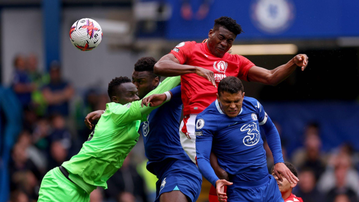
(174, 196)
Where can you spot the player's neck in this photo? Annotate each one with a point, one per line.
(286, 194)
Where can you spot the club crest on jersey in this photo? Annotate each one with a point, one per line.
(163, 184)
(145, 128)
(199, 124)
(220, 66)
(254, 117)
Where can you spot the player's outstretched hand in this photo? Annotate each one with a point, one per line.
(154, 100)
(281, 170)
(221, 194)
(208, 74)
(93, 116)
(301, 60)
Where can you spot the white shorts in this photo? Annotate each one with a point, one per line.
(187, 135)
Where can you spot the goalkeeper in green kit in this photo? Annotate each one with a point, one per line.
(108, 145)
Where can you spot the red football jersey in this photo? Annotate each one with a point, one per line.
(197, 92)
(293, 198)
(212, 196)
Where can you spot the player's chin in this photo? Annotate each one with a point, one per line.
(232, 114)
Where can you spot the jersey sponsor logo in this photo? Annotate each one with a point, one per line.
(199, 124)
(145, 128)
(253, 136)
(219, 77)
(163, 184)
(220, 66)
(254, 117)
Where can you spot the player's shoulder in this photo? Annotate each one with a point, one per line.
(235, 57)
(186, 44)
(117, 108)
(250, 100)
(251, 103)
(209, 112)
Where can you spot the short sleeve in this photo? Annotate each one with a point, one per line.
(183, 51)
(244, 65)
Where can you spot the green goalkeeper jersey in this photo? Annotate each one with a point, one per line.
(115, 134)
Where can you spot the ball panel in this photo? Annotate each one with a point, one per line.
(85, 34)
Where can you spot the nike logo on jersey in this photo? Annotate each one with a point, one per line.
(235, 123)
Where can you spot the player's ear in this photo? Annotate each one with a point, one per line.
(114, 99)
(156, 81)
(211, 33)
(292, 185)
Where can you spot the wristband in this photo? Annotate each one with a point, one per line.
(168, 96)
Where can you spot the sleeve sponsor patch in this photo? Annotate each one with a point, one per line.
(200, 133)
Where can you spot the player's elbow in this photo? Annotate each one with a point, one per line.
(158, 68)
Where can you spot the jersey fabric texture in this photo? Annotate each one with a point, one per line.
(114, 136)
(166, 157)
(56, 187)
(293, 198)
(198, 92)
(238, 146)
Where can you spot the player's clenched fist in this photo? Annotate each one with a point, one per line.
(301, 60)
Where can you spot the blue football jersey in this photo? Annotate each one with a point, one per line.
(236, 141)
(160, 132)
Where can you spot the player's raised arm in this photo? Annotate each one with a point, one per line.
(277, 75)
(169, 65)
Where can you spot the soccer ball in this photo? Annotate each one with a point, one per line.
(86, 34)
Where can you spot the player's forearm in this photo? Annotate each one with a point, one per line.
(221, 173)
(282, 72)
(166, 85)
(207, 171)
(167, 67)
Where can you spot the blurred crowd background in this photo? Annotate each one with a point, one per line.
(48, 86)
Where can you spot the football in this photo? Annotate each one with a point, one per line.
(86, 34)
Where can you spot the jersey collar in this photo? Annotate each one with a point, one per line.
(220, 110)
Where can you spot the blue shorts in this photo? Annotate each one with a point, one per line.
(265, 190)
(178, 175)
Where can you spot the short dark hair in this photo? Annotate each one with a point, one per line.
(116, 82)
(231, 85)
(229, 24)
(291, 167)
(146, 64)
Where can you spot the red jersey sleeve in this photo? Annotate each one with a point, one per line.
(183, 51)
(244, 65)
